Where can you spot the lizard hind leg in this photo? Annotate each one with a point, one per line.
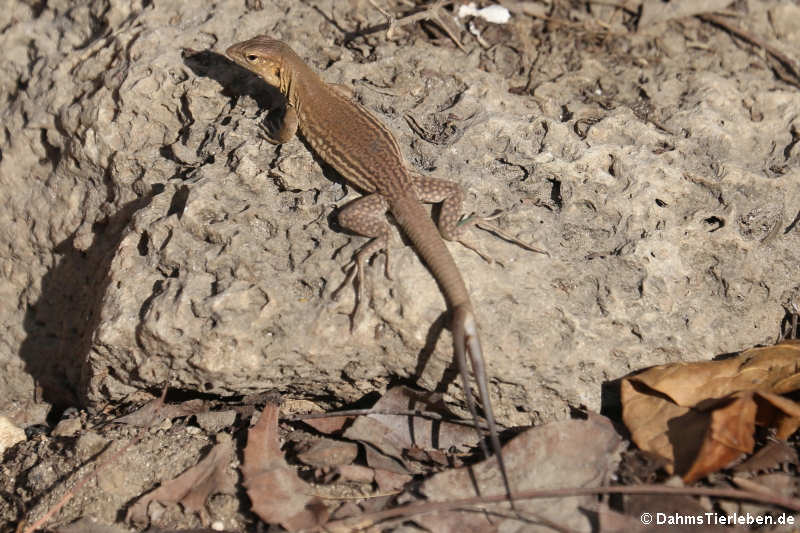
(365, 216)
(451, 226)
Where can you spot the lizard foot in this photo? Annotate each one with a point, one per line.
(484, 224)
(355, 275)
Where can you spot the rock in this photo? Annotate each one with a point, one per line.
(10, 434)
(68, 427)
(157, 237)
(215, 421)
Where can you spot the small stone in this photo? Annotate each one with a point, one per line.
(164, 425)
(10, 434)
(215, 421)
(89, 444)
(69, 427)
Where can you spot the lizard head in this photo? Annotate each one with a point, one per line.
(262, 56)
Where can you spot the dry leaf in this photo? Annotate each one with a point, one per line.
(328, 452)
(770, 457)
(328, 425)
(781, 484)
(355, 473)
(392, 434)
(380, 461)
(778, 412)
(278, 494)
(570, 453)
(701, 416)
(154, 411)
(192, 488)
(729, 435)
(390, 481)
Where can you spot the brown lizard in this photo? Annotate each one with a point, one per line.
(364, 152)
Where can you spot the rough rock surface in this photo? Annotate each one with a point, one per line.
(149, 234)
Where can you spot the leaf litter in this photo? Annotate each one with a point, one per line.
(569, 453)
(393, 449)
(702, 416)
(191, 489)
(277, 493)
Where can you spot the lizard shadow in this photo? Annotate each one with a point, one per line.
(450, 373)
(236, 81)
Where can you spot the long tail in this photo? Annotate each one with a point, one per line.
(466, 341)
(429, 245)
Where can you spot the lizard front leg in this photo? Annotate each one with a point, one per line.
(282, 127)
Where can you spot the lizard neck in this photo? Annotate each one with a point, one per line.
(297, 81)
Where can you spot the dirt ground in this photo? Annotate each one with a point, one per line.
(151, 236)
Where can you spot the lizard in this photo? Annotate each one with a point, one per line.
(365, 153)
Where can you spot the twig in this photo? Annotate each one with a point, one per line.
(430, 13)
(790, 73)
(391, 412)
(369, 519)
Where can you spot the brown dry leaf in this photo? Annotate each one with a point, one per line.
(391, 434)
(323, 453)
(154, 411)
(779, 412)
(729, 435)
(770, 457)
(780, 483)
(329, 425)
(380, 461)
(355, 473)
(390, 481)
(701, 416)
(278, 494)
(192, 488)
(570, 453)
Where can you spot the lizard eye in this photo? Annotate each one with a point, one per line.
(252, 58)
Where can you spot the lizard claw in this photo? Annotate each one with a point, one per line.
(355, 275)
(483, 223)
